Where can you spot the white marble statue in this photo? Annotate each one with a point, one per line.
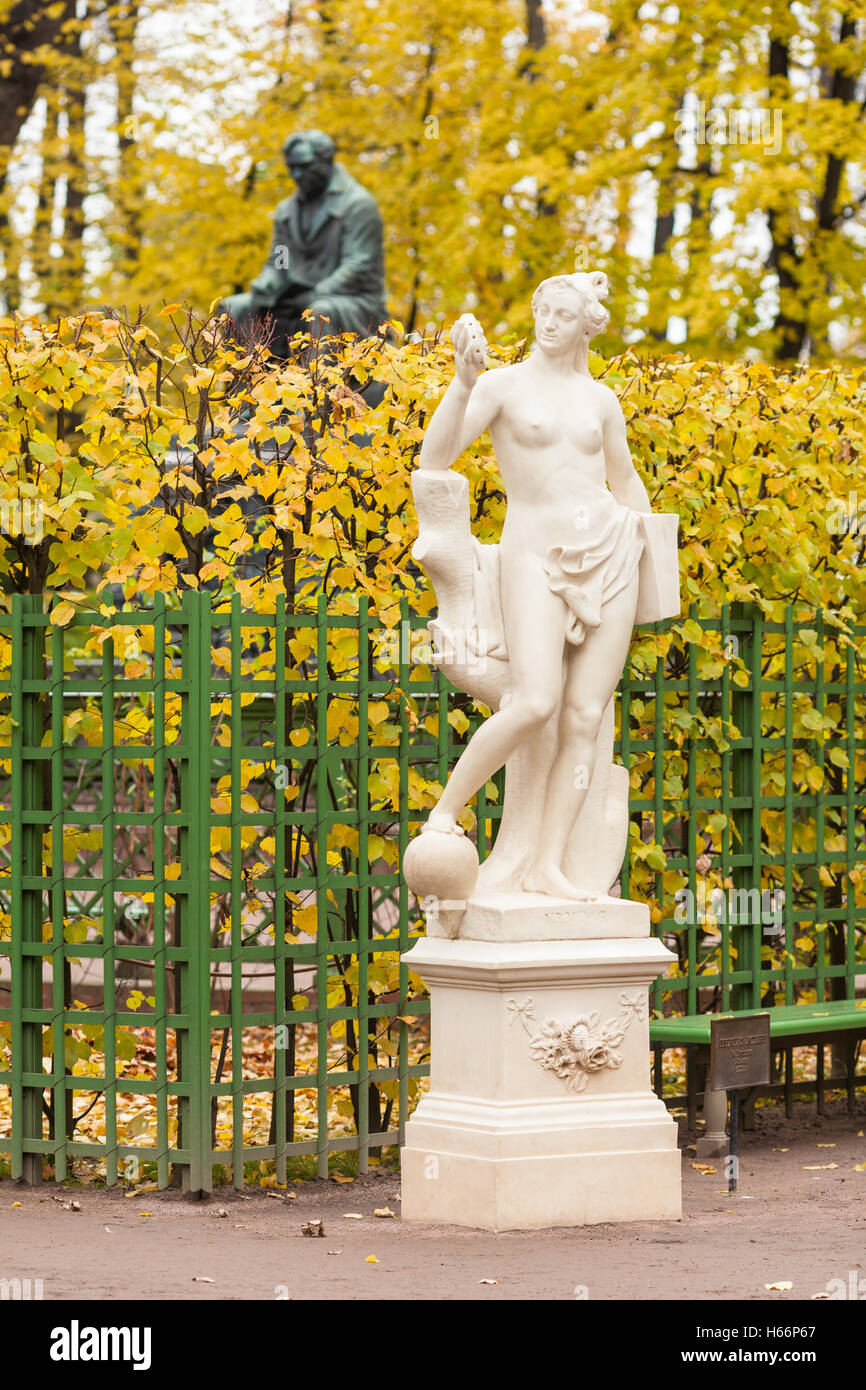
(539, 625)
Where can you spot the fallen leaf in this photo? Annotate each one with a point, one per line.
(823, 1294)
(16, 1204)
(109, 1230)
(818, 1167)
(145, 1213)
(371, 1260)
(335, 1252)
(341, 1177)
(220, 1211)
(781, 1284)
(353, 1216)
(704, 1167)
(780, 1151)
(239, 1226)
(384, 1211)
(488, 1281)
(860, 1167)
(201, 1279)
(825, 1146)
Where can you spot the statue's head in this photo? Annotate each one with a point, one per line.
(309, 157)
(567, 310)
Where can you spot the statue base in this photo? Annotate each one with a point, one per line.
(533, 917)
(540, 1111)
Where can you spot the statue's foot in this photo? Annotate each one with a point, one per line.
(441, 821)
(547, 878)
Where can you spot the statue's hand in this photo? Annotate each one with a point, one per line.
(470, 349)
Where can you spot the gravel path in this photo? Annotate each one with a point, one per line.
(792, 1221)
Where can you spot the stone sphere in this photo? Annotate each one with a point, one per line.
(440, 864)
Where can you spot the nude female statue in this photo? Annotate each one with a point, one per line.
(569, 554)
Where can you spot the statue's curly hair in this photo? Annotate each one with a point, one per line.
(592, 287)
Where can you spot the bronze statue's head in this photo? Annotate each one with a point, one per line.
(309, 157)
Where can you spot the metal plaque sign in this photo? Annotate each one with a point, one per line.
(739, 1051)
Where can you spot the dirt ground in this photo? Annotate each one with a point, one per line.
(794, 1219)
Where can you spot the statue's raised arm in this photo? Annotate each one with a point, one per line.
(468, 406)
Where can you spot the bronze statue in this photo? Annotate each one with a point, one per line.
(326, 255)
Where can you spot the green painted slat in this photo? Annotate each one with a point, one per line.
(789, 802)
(362, 775)
(725, 778)
(109, 979)
(850, 824)
(786, 1020)
(752, 938)
(403, 901)
(321, 852)
(61, 1094)
(821, 942)
(659, 832)
(201, 896)
(281, 833)
(692, 827)
(625, 755)
(160, 962)
(25, 856)
(237, 899)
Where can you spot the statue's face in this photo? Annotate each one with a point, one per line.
(558, 321)
(312, 179)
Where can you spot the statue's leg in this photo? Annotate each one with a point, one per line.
(594, 671)
(534, 622)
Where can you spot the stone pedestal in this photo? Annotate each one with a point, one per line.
(540, 1111)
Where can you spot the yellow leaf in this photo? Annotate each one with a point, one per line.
(371, 1260)
(457, 719)
(61, 614)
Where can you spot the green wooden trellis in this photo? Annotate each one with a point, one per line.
(261, 720)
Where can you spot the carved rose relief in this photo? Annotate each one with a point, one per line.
(583, 1045)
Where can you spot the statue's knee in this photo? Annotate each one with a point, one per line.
(581, 720)
(535, 708)
(318, 316)
(239, 308)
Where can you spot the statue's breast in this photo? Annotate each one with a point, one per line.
(531, 427)
(534, 427)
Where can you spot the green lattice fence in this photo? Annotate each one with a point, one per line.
(211, 835)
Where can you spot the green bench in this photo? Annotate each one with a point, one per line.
(841, 1022)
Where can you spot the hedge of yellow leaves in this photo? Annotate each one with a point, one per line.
(133, 462)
